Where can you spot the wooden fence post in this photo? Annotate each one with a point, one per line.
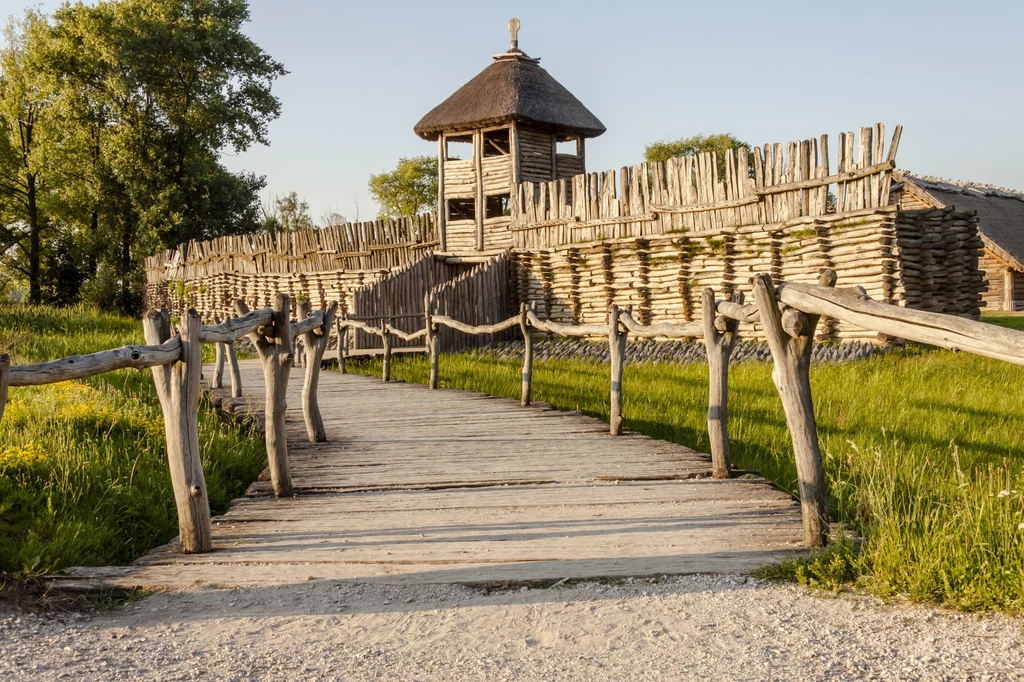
(305, 309)
(524, 326)
(342, 342)
(5, 379)
(790, 335)
(316, 346)
(432, 340)
(177, 387)
(274, 344)
(218, 367)
(236, 375)
(617, 354)
(386, 336)
(719, 337)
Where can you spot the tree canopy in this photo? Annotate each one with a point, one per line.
(408, 190)
(689, 146)
(132, 103)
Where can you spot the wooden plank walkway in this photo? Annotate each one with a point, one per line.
(420, 486)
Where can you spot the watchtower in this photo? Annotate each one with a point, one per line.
(512, 123)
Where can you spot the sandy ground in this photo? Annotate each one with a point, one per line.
(693, 627)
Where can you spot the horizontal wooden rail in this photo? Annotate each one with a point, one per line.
(938, 329)
(845, 176)
(738, 311)
(565, 329)
(228, 332)
(83, 366)
(668, 330)
(311, 324)
(362, 326)
(476, 329)
(410, 336)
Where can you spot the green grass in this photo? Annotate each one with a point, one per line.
(83, 465)
(920, 447)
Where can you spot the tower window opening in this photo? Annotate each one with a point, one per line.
(458, 148)
(497, 206)
(497, 143)
(461, 209)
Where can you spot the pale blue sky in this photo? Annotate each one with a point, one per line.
(362, 74)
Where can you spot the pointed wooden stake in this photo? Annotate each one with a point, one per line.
(617, 353)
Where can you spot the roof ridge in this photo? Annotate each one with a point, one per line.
(963, 186)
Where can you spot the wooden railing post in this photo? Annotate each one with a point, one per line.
(218, 367)
(177, 387)
(432, 340)
(386, 336)
(305, 309)
(719, 337)
(274, 345)
(342, 350)
(5, 380)
(316, 346)
(524, 327)
(617, 354)
(790, 336)
(236, 375)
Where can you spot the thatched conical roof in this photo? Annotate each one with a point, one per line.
(513, 88)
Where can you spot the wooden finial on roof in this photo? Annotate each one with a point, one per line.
(513, 28)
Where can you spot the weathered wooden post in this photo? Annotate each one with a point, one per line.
(236, 375)
(524, 326)
(386, 336)
(432, 340)
(274, 345)
(177, 387)
(790, 335)
(342, 342)
(617, 354)
(719, 337)
(305, 309)
(5, 380)
(316, 346)
(218, 367)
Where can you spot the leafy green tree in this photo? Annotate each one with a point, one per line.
(26, 131)
(287, 214)
(689, 146)
(149, 93)
(408, 190)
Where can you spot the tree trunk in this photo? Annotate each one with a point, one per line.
(35, 249)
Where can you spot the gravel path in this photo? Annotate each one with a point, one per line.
(693, 627)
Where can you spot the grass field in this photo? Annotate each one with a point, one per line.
(921, 451)
(83, 465)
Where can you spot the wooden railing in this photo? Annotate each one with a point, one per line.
(175, 357)
(793, 312)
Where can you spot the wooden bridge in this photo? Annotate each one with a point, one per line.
(424, 486)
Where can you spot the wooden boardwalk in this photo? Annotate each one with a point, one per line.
(425, 486)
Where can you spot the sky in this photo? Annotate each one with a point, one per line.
(361, 74)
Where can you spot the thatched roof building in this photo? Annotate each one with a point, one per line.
(512, 123)
(1000, 224)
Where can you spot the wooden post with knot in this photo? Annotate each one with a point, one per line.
(177, 387)
(431, 339)
(524, 327)
(274, 345)
(617, 353)
(790, 335)
(5, 380)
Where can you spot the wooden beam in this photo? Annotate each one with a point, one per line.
(478, 154)
(846, 176)
(442, 217)
(524, 327)
(177, 388)
(274, 345)
(719, 345)
(791, 345)
(316, 346)
(5, 380)
(82, 366)
(617, 354)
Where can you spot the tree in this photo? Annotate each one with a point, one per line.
(286, 214)
(148, 94)
(27, 128)
(408, 190)
(689, 146)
